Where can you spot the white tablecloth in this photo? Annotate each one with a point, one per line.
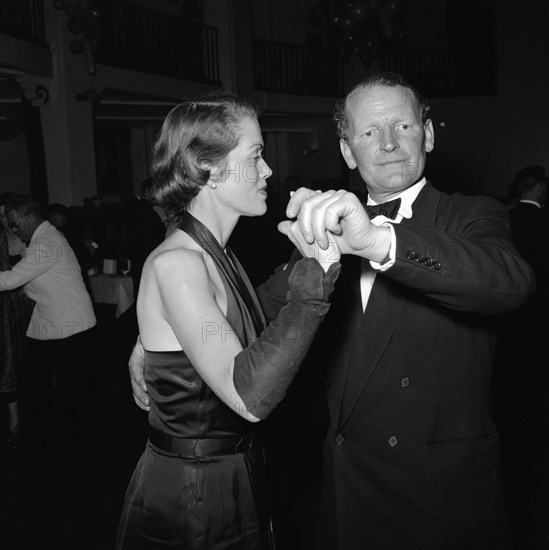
(112, 289)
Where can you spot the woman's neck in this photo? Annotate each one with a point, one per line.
(220, 224)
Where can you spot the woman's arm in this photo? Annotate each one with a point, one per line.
(189, 306)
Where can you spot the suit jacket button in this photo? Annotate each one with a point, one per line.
(393, 441)
(405, 382)
(339, 439)
(411, 255)
(437, 266)
(429, 261)
(420, 258)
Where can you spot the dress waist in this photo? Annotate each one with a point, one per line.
(201, 447)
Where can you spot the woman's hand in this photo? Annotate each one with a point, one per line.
(325, 256)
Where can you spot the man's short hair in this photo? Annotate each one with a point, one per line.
(58, 214)
(377, 78)
(527, 178)
(25, 205)
(6, 197)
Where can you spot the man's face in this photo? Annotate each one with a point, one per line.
(3, 218)
(22, 226)
(386, 139)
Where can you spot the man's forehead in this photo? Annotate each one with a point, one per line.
(378, 97)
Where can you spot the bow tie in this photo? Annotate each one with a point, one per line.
(388, 209)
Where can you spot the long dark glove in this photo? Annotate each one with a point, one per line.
(264, 370)
(273, 293)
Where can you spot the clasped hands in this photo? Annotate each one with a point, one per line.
(335, 222)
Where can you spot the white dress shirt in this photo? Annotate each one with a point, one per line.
(52, 278)
(369, 269)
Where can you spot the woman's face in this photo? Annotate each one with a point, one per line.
(243, 185)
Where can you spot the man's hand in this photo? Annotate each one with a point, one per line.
(137, 368)
(342, 215)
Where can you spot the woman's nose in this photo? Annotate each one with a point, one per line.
(265, 171)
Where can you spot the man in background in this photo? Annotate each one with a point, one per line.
(59, 359)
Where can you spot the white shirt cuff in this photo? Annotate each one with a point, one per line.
(380, 267)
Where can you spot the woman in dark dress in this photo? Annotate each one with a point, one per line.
(212, 367)
(15, 312)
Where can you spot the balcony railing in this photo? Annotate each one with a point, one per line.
(143, 39)
(428, 70)
(436, 74)
(23, 19)
(294, 69)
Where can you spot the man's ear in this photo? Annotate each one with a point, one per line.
(347, 154)
(429, 135)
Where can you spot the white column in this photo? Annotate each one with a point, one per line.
(67, 124)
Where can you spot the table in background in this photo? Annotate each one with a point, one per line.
(113, 289)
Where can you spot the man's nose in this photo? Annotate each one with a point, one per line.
(389, 141)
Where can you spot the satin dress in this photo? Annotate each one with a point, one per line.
(187, 499)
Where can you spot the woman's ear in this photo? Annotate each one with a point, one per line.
(214, 175)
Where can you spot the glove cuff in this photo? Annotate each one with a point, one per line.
(310, 283)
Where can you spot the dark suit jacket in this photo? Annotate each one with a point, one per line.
(411, 456)
(530, 232)
(143, 232)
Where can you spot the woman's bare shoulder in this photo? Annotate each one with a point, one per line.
(177, 252)
(180, 261)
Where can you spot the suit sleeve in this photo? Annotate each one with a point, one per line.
(38, 259)
(468, 262)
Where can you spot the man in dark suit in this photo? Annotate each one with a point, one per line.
(526, 330)
(143, 231)
(522, 377)
(529, 222)
(411, 454)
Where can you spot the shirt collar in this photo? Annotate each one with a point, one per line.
(527, 201)
(407, 198)
(42, 227)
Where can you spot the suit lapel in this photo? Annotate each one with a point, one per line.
(343, 324)
(378, 322)
(376, 329)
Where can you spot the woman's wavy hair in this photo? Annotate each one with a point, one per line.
(194, 140)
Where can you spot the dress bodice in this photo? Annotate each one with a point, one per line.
(182, 404)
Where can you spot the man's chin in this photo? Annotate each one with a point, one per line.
(400, 181)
